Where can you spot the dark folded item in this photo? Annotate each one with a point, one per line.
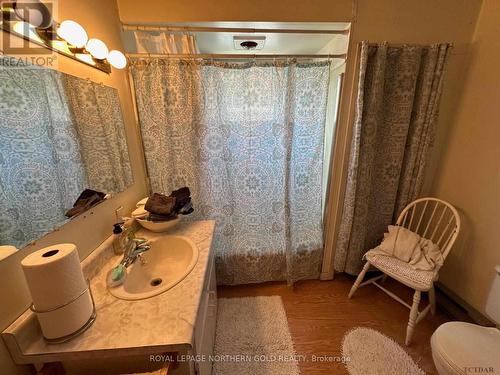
(187, 209)
(157, 218)
(87, 199)
(160, 204)
(182, 197)
(181, 193)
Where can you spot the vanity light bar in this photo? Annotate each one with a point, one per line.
(68, 38)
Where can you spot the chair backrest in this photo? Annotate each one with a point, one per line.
(433, 219)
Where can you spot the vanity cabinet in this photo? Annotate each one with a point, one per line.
(204, 335)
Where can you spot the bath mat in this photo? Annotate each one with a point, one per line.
(253, 338)
(371, 352)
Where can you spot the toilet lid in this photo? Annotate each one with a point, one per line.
(465, 345)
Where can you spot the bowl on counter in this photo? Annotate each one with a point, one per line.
(158, 226)
(140, 213)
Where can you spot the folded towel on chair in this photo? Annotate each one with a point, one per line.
(420, 253)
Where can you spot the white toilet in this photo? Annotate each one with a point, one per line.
(464, 348)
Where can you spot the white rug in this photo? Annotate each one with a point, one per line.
(371, 352)
(253, 338)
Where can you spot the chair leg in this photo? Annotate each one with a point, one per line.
(413, 317)
(359, 279)
(432, 300)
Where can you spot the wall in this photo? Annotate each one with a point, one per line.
(100, 19)
(469, 174)
(334, 90)
(163, 11)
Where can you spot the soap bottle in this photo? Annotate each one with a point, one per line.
(118, 247)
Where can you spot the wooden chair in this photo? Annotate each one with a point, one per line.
(433, 219)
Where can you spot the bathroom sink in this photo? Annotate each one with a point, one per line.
(169, 261)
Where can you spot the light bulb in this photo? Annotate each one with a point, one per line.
(22, 28)
(73, 33)
(85, 58)
(97, 49)
(27, 30)
(117, 59)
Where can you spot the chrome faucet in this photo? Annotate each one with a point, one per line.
(135, 249)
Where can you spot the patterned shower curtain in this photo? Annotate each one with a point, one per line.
(397, 104)
(247, 138)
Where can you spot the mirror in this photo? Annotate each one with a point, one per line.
(59, 135)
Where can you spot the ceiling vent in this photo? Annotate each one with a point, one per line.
(249, 42)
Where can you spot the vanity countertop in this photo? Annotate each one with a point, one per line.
(155, 325)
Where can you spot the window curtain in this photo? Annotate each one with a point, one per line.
(397, 104)
(247, 138)
(165, 43)
(41, 169)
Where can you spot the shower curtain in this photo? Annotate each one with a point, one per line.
(247, 138)
(398, 97)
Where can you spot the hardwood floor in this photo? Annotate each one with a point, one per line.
(319, 314)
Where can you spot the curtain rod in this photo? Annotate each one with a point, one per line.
(373, 44)
(230, 29)
(232, 56)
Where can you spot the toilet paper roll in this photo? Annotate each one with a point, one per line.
(68, 319)
(55, 278)
(6, 250)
